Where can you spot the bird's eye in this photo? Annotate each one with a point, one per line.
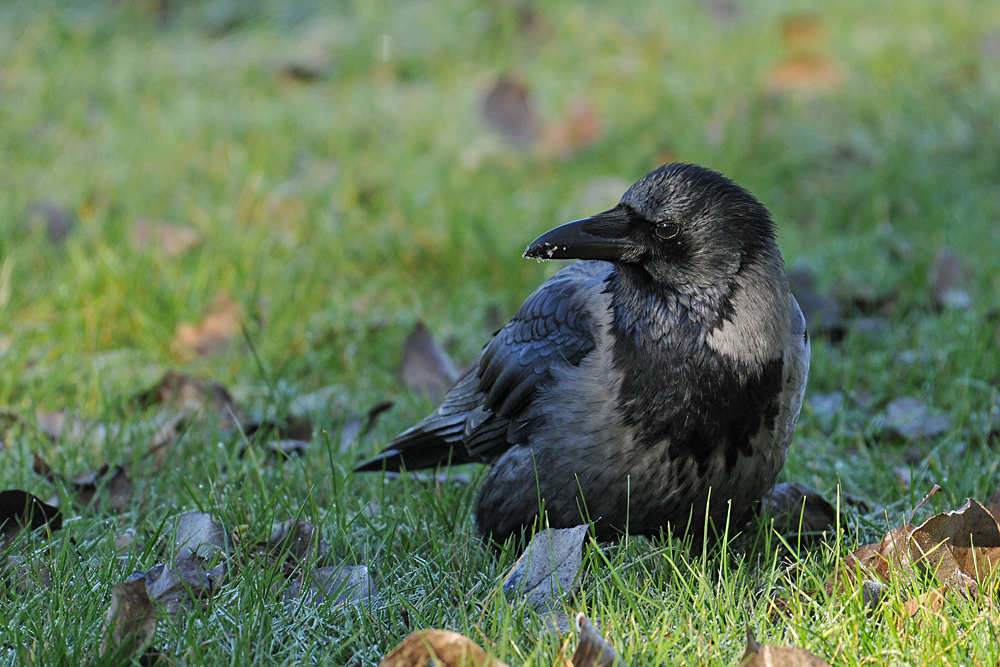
(666, 230)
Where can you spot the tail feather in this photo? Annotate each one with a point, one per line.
(435, 440)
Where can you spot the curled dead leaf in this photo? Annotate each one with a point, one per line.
(110, 484)
(911, 419)
(798, 512)
(765, 655)
(191, 396)
(165, 238)
(579, 130)
(438, 648)
(549, 566)
(19, 510)
(510, 110)
(805, 73)
(215, 331)
(130, 622)
(425, 367)
(593, 650)
(338, 583)
(948, 279)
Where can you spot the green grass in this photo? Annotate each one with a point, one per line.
(338, 212)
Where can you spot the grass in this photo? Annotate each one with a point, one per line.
(337, 212)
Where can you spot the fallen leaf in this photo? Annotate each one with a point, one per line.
(438, 648)
(26, 573)
(125, 541)
(342, 584)
(508, 108)
(425, 367)
(215, 331)
(826, 407)
(929, 602)
(40, 467)
(910, 419)
(765, 655)
(20, 510)
(286, 449)
(198, 538)
(130, 622)
(798, 512)
(311, 64)
(966, 540)
(61, 426)
(293, 543)
(165, 238)
(579, 130)
(9, 422)
(548, 567)
(192, 396)
(56, 220)
(805, 73)
(803, 33)
(115, 487)
(593, 650)
(948, 278)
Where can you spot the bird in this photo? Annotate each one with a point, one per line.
(651, 386)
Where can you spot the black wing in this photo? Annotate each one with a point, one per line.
(487, 409)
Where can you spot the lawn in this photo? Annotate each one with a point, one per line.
(318, 177)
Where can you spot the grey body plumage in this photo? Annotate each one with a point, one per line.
(658, 378)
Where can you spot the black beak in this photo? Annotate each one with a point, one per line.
(604, 236)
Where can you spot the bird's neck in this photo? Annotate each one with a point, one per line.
(744, 323)
(651, 313)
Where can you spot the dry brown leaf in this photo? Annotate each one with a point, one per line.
(948, 278)
(192, 396)
(293, 542)
(548, 567)
(509, 109)
(344, 584)
(9, 421)
(798, 512)
(920, 606)
(62, 426)
(425, 367)
(165, 238)
(910, 419)
(966, 540)
(112, 485)
(765, 655)
(593, 650)
(579, 130)
(131, 619)
(26, 574)
(19, 510)
(438, 648)
(215, 331)
(803, 33)
(805, 73)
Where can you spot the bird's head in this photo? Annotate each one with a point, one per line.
(682, 224)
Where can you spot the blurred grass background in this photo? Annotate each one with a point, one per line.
(335, 161)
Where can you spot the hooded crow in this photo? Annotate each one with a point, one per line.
(653, 385)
